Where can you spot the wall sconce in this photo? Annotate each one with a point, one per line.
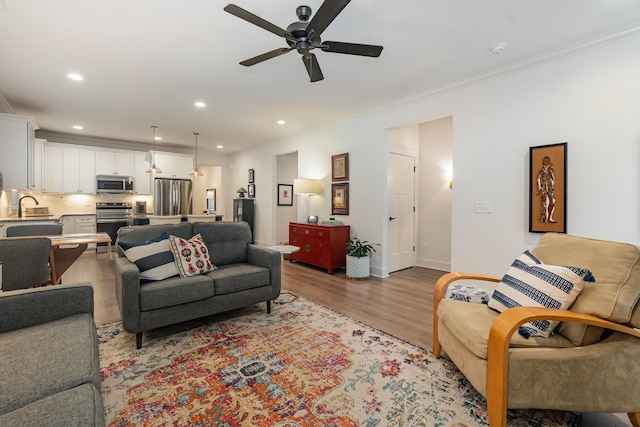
(305, 187)
(449, 177)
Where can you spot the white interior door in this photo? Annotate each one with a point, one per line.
(401, 183)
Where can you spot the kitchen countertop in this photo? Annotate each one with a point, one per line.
(49, 217)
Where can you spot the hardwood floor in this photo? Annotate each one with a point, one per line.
(400, 305)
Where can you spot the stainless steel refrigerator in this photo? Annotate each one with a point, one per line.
(172, 196)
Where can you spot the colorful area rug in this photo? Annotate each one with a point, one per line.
(301, 366)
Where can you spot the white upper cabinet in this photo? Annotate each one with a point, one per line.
(52, 168)
(79, 171)
(16, 151)
(68, 169)
(115, 163)
(174, 165)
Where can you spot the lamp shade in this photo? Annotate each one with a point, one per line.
(306, 186)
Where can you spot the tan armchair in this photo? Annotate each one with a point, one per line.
(589, 364)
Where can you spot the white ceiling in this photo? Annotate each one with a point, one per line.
(146, 62)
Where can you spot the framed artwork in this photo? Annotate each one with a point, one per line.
(340, 199)
(211, 199)
(340, 167)
(252, 191)
(548, 188)
(285, 195)
(252, 176)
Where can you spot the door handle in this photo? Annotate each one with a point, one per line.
(391, 218)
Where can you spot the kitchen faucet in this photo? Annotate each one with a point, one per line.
(20, 204)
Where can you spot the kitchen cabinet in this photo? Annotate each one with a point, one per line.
(141, 179)
(174, 165)
(81, 224)
(320, 245)
(115, 163)
(79, 171)
(36, 185)
(16, 147)
(67, 169)
(243, 210)
(52, 168)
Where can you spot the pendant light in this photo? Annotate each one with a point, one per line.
(196, 172)
(154, 168)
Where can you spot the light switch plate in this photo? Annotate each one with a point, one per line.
(484, 207)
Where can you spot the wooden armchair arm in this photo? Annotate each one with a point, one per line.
(439, 291)
(503, 328)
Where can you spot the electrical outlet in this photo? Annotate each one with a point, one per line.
(484, 207)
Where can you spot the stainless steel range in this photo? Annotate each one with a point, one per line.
(110, 216)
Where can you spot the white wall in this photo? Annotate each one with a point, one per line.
(434, 223)
(286, 172)
(589, 100)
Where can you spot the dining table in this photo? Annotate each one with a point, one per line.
(67, 248)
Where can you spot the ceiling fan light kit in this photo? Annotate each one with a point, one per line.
(304, 36)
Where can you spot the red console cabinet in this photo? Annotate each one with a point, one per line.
(320, 245)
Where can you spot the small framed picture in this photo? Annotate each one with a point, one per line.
(252, 176)
(340, 167)
(285, 195)
(252, 191)
(340, 199)
(548, 188)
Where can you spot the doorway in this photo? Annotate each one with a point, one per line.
(401, 229)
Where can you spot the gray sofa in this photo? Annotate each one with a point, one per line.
(247, 274)
(49, 364)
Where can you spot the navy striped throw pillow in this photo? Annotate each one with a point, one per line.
(153, 257)
(530, 283)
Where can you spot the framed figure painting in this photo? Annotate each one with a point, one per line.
(548, 188)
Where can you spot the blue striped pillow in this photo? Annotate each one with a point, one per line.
(153, 257)
(530, 283)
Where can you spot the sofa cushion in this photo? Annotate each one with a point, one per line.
(239, 277)
(141, 233)
(47, 358)
(616, 267)
(227, 241)
(153, 258)
(174, 291)
(191, 255)
(471, 323)
(79, 406)
(530, 283)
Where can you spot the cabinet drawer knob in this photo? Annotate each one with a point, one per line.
(307, 247)
(306, 231)
(321, 233)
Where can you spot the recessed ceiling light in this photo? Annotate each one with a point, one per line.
(158, 138)
(219, 146)
(75, 76)
(78, 127)
(281, 122)
(200, 104)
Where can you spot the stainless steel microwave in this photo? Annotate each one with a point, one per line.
(114, 184)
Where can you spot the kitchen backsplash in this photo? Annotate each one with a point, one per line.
(59, 204)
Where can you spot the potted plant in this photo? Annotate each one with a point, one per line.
(358, 258)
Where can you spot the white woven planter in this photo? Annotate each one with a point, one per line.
(357, 268)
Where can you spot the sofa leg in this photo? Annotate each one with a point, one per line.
(269, 307)
(634, 417)
(139, 340)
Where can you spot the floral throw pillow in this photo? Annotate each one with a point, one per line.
(192, 256)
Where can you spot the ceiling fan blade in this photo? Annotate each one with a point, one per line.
(257, 59)
(313, 68)
(325, 16)
(352, 48)
(256, 20)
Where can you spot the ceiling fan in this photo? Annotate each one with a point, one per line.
(304, 36)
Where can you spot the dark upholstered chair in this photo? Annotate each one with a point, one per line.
(25, 262)
(34, 230)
